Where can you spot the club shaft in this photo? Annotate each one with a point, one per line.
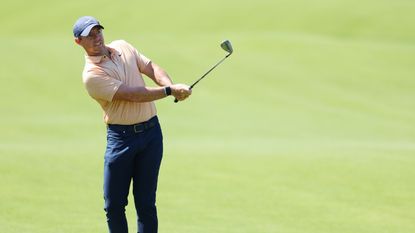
(208, 72)
(191, 87)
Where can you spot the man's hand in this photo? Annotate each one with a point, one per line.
(180, 91)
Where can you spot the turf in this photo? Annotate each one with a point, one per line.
(307, 127)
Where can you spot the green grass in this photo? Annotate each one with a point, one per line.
(307, 128)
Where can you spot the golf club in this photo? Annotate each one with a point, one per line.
(225, 45)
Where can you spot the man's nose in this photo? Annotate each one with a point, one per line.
(96, 37)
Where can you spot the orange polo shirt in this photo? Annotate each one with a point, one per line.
(103, 76)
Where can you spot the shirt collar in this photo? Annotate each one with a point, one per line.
(98, 59)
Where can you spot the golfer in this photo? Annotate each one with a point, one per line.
(113, 77)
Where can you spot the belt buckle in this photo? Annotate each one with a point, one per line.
(138, 129)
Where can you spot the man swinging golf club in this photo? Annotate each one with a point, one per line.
(113, 77)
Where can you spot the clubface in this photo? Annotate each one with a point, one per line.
(227, 46)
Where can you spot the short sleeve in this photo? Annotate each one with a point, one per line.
(142, 61)
(101, 87)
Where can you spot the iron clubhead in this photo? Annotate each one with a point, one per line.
(227, 46)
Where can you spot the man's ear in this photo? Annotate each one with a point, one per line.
(78, 40)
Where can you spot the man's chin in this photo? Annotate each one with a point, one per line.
(99, 50)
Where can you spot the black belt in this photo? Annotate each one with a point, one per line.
(135, 128)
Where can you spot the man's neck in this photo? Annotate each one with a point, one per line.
(104, 52)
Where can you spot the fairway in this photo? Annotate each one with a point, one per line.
(309, 127)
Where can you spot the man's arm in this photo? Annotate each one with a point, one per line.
(147, 94)
(157, 74)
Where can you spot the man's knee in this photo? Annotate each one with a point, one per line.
(115, 211)
(146, 209)
(115, 208)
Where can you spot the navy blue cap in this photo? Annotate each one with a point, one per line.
(83, 26)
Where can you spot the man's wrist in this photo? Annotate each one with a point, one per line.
(167, 90)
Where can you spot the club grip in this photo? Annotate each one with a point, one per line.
(176, 100)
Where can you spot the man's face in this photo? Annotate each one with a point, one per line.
(93, 43)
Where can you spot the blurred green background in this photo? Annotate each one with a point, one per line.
(307, 127)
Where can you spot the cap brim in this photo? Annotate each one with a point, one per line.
(88, 29)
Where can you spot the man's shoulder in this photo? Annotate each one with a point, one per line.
(120, 44)
(92, 71)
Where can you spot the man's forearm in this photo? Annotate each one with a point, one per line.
(139, 94)
(161, 78)
(147, 94)
(157, 74)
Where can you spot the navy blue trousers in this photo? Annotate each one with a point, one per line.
(133, 153)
